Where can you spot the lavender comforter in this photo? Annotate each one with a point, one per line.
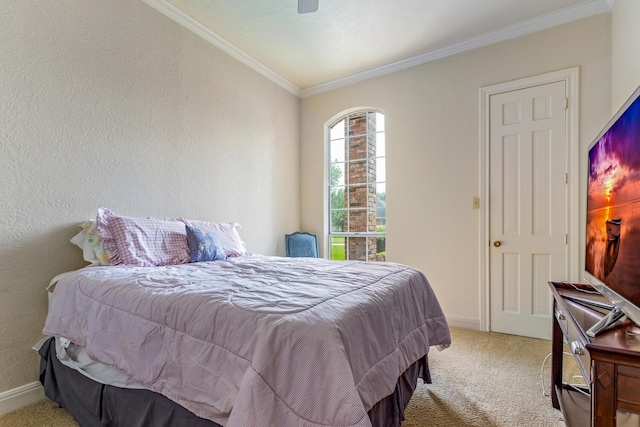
(256, 340)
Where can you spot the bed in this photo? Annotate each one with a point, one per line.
(244, 341)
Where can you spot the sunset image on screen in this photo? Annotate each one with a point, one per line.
(613, 202)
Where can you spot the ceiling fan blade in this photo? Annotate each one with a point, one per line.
(306, 6)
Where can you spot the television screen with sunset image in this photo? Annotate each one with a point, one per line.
(613, 205)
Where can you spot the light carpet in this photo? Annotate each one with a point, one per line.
(485, 379)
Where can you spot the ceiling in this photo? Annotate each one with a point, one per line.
(350, 40)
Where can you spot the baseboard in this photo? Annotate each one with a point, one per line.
(16, 398)
(461, 322)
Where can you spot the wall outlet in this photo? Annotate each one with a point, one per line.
(476, 202)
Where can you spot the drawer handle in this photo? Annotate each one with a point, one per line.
(560, 315)
(576, 348)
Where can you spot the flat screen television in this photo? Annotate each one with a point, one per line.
(612, 252)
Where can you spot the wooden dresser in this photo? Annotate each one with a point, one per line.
(610, 362)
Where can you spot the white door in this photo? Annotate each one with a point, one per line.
(528, 206)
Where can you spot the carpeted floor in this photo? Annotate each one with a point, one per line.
(490, 380)
(484, 379)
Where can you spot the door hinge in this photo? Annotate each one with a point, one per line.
(566, 103)
(566, 239)
(566, 178)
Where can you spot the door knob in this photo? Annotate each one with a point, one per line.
(497, 243)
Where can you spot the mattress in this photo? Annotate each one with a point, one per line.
(255, 340)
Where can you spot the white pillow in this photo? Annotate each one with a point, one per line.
(232, 244)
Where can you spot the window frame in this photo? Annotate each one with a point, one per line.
(347, 184)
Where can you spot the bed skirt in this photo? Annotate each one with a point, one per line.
(95, 404)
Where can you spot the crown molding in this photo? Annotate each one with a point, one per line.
(543, 22)
(574, 13)
(169, 10)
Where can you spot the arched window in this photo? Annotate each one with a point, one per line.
(357, 192)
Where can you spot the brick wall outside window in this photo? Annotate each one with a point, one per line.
(361, 199)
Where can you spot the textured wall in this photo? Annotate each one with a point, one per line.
(432, 146)
(625, 67)
(112, 104)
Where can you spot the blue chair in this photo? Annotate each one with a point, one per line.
(301, 244)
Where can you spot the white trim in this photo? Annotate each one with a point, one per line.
(462, 322)
(326, 235)
(571, 77)
(563, 16)
(168, 9)
(19, 397)
(544, 22)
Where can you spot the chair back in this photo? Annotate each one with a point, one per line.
(301, 244)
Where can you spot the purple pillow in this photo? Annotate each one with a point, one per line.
(143, 242)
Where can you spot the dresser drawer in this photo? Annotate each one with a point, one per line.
(561, 317)
(628, 388)
(577, 345)
(609, 362)
(575, 339)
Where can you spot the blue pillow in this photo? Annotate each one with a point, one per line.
(203, 245)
